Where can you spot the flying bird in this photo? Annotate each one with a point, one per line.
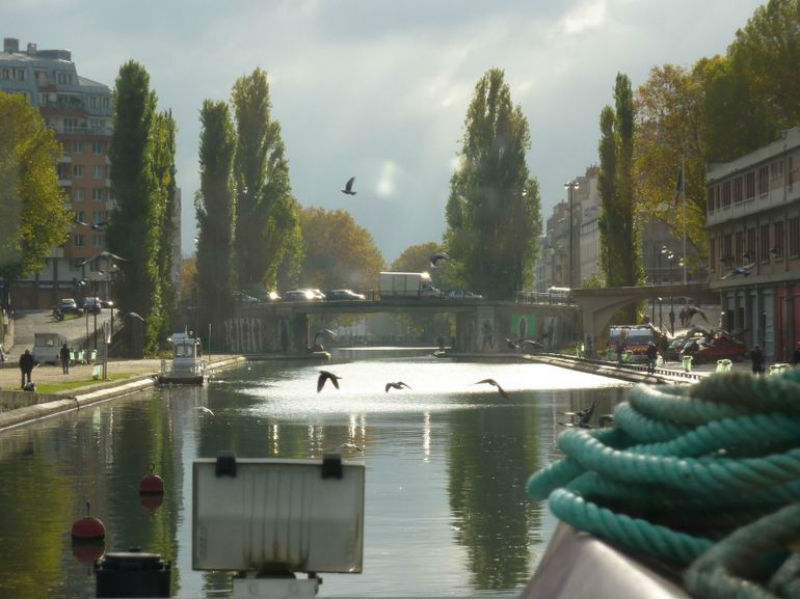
(739, 270)
(530, 344)
(398, 385)
(323, 333)
(584, 416)
(692, 310)
(495, 384)
(435, 257)
(324, 375)
(348, 187)
(204, 410)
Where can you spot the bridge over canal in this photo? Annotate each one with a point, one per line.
(480, 326)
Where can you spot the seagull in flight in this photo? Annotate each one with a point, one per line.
(398, 385)
(438, 256)
(739, 270)
(494, 383)
(348, 187)
(324, 375)
(204, 410)
(323, 333)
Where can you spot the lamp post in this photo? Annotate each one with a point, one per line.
(670, 256)
(571, 186)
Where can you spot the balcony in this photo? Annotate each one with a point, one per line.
(65, 182)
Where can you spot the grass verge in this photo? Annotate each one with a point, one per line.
(56, 387)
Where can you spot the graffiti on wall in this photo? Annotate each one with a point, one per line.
(254, 335)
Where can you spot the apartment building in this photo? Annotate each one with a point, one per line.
(753, 222)
(79, 111)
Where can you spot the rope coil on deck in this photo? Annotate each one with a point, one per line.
(701, 477)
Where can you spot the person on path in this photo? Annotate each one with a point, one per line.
(652, 352)
(796, 355)
(64, 355)
(757, 357)
(26, 366)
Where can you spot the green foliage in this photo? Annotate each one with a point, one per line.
(417, 258)
(493, 212)
(266, 212)
(164, 130)
(33, 215)
(620, 248)
(338, 252)
(134, 232)
(215, 214)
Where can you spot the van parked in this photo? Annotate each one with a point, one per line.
(46, 347)
(634, 338)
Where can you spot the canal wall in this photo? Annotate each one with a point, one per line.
(21, 407)
(631, 373)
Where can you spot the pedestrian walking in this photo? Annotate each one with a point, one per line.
(64, 355)
(26, 366)
(652, 352)
(757, 357)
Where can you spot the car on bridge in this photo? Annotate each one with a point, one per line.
(303, 295)
(462, 294)
(344, 295)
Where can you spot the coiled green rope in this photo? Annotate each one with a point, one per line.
(696, 476)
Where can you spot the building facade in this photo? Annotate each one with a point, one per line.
(753, 221)
(79, 111)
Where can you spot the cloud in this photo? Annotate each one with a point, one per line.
(590, 15)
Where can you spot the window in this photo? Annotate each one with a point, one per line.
(99, 171)
(791, 175)
(763, 180)
(98, 147)
(777, 248)
(776, 175)
(710, 200)
(78, 194)
(77, 147)
(19, 74)
(712, 254)
(78, 240)
(764, 246)
(6, 74)
(794, 236)
(100, 216)
(749, 186)
(98, 194)
(99, 241)
(751, 245)
(737, 190)
(739, 246)
(80, 216)
(77, 170)
(726, 194)
(726, 246)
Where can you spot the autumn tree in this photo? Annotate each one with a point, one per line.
(619, 243)
(266, 213)
(493, 212)
(338, 252)
(417, 258)
(134, 232)
(215, 207)
(33, 216)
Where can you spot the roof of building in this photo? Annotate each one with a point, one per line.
(789, 140)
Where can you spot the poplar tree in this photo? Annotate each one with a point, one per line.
(134, 232)
(620, 250)
(215, 214)
(493, 212)
(266, 213)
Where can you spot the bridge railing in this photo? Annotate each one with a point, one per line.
(543, 297)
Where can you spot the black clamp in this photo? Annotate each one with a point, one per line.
(226, 464)
(332, 466)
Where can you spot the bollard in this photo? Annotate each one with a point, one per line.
(724, 365)
(778, 368)
(687, 363)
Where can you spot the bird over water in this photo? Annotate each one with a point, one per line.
(324, 375)
(494, 383)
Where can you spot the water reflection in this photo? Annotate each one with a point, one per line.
(446, 468)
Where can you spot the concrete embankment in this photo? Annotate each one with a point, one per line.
(21, 407)
(626, 372)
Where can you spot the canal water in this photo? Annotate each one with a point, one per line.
(446, 464)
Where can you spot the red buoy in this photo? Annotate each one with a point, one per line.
(88, 528)
(151, 485)
(88, 552)
(151, 501)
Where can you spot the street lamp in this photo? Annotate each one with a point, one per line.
(571, 186)
(670, 256)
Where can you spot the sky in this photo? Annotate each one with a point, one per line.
(379, 89)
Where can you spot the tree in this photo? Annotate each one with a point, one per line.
(33, 216)
(417, 258)
(493, 212)
(266, 213)
(134, 230)
(620, 250)
(215, 214)
(164, 130)
(670, 132)
(338, 252)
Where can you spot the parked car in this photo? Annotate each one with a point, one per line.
(68, 305)
(243, 298)
(92, 305)
(718, 347)
(273, 296)
(461, 294)
(344, 294)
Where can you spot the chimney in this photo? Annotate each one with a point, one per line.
(31, 49)
(10, 44)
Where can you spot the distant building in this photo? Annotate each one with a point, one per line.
(589, 209)
(79, 111)
(753, 222)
